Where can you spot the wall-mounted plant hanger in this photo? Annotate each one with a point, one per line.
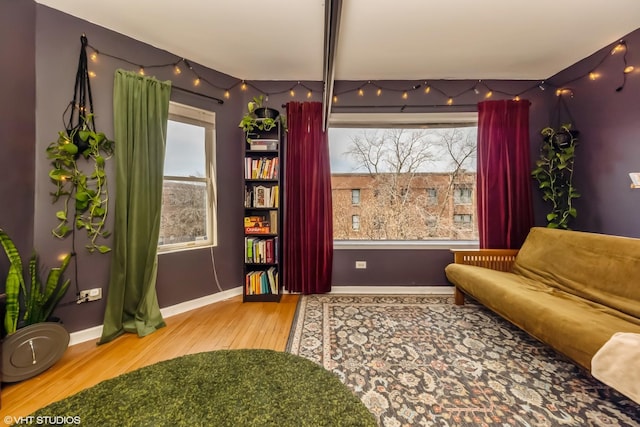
(84, 195)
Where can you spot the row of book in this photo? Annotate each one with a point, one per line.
(262, 168)
(263, 144)
(262, 282)
(261, 251)
(259, 196)
(260, 224)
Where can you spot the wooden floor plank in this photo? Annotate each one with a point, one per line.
(228, 324)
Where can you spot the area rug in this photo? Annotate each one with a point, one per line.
(422, 361)
(219, 388)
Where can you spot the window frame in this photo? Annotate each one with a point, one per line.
(406, 120)
(207, 119)
(355, 191)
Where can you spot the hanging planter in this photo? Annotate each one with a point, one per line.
(82, 190)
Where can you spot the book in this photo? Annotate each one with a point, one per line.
(273, 221)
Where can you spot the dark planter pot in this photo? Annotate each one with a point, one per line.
(266, 113)
(32, 350)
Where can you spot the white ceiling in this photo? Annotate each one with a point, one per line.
(378, 40)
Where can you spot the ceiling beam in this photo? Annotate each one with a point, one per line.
(332, 12)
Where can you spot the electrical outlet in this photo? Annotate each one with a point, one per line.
(90, 295)
(361, 265)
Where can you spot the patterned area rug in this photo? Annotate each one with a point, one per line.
(422, 361)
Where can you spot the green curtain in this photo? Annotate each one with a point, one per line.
(140, 110)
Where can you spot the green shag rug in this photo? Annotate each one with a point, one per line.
(219, 388)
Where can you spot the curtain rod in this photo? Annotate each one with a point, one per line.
(218, 100)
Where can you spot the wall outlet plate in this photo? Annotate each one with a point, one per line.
(361, 265)
(90, 295)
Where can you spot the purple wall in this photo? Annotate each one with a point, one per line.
(604, 117)
(609, 144)
(17, 124)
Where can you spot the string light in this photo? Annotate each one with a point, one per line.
(620, 47)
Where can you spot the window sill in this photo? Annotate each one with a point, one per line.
(405, 245)
(183, 248)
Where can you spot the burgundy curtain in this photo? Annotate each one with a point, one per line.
(505, 212)
(308, 224)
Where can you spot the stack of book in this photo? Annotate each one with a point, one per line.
(262, 168)
(261, 251)
(262, 282)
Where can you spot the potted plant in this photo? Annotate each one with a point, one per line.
(87, 193)
(260, 118)
(34, 340)
(554, 173)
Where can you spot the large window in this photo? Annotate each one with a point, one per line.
(188, 197)
(416, 181)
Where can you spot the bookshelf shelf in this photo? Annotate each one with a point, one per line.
(263, 217)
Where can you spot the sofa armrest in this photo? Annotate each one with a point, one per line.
(495, 259)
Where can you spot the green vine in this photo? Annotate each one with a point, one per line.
(250, 122)
(87, 192)
(554, 173)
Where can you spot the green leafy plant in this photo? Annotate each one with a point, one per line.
(251, 122)
(86, 192)
(26, 305)
(554, 173)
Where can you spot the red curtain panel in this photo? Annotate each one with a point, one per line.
(505, 212)
(308, 225)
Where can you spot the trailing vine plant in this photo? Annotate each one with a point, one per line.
(554, 173)
(85, 195)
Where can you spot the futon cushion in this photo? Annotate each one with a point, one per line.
(602, 268)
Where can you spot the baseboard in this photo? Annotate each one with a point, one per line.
(393, 290)
(96, 332)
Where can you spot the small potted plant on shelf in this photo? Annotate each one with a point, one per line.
(260, 118)
(34, 339)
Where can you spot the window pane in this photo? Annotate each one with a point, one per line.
(355, 197)
(185, 155)
(409, 182)
(184, 212)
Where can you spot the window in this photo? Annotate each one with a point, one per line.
(188, 212)
(355, 197)
(355, 222)
(462, 220)
(409, 172)
(432, 196)
(462, 195)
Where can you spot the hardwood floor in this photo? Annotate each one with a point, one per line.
(228, 324)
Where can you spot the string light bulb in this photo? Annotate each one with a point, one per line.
(405, 95)
(335, 98)
(628, 69)
(309, 94)
(450, 101)
(141, 71)
(593, 75)
(516, 98)
(94, 56)
(360, 92)
(379, 92)
(292, 93)
(619, 47)
(176, 70)
(227, 95)
(243, 86)
(489, 94)
(92, 74)
(196, 82)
